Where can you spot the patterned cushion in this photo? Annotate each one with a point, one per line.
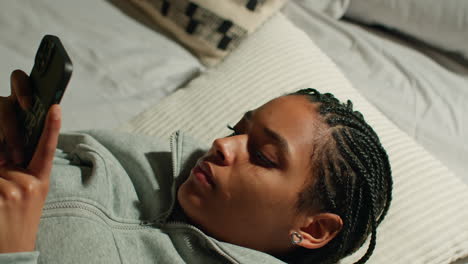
(209, 29)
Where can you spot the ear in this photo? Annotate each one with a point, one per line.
(318, 230)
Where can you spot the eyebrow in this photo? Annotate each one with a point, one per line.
(281, 141)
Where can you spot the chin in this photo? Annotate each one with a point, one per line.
(190, 203)
(193, 209)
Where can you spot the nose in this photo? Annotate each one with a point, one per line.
(224, 150)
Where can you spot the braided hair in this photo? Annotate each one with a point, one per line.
(352, 178)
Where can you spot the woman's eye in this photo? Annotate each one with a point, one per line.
(264, 161)
(259, 157)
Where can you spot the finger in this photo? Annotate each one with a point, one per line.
(21, 89)
(10, 132)
(41, 163)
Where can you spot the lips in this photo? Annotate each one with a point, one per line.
(203, 173)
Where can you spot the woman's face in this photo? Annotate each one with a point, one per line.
(245, 188)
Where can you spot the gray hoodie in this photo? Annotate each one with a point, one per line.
(112, 199)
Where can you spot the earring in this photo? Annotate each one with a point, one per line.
(296, 238)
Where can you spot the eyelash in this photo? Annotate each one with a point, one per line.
(234, 132)
(265, 162)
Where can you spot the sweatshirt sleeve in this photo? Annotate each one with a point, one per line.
(19, 258)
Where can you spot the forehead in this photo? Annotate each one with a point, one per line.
(294, 117)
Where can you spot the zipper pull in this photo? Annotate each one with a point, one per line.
(146, 223)
(151, 222)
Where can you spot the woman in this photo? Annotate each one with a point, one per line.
(302, 179)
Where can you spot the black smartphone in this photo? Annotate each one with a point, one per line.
(49, 78)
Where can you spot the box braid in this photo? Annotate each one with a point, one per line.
(352, 178)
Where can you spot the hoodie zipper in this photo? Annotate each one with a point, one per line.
(174, 137)
(161, 220)
(96, 212)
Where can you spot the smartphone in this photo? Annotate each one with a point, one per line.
(49, 78)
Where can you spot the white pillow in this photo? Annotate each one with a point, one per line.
(332, 8)
(443, 24)
(427, 222)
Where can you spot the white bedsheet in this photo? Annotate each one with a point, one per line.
(423, 92)
(120, 66)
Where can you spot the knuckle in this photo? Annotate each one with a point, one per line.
(31, 188)
(12, 194)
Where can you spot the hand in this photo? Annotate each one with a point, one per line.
(23, 191)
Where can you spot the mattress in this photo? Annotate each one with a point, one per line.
(121, 66)
(421, 90)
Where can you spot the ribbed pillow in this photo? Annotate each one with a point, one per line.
(428, 219)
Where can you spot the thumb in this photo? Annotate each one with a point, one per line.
(41, 162)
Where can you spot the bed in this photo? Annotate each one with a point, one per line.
(129, 74)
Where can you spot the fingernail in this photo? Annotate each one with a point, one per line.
(17, 157)
(56, 114)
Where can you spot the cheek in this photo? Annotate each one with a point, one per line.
(256, 188)
(247, 181)
(262, 206)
